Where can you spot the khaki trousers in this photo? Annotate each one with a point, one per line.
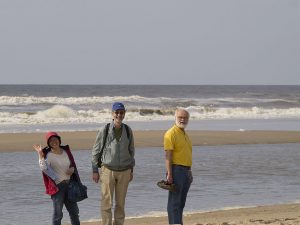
(113, 182)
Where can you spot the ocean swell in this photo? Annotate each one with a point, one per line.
(68, 114)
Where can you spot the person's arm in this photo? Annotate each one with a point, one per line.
(47, 169)
(39, 150)
(44, 166)
(132, 153)
(96, 155)
(168, 162)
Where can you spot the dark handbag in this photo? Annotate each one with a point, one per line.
(76, 190)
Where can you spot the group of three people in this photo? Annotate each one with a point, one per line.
(113, 155)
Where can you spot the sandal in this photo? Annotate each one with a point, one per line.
(167, 186)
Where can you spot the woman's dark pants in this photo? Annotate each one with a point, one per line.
(59, 200)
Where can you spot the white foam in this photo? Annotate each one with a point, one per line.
(29, 100)
(66, 114)
(57, 111)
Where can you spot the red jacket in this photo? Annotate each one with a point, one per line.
(50, 185)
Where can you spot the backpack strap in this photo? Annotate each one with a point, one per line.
(105, 133)
(127, 131)
(128, 136)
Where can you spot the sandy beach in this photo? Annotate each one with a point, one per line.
(83, 140)
(286, 214)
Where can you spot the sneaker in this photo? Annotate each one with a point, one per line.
(165, 185)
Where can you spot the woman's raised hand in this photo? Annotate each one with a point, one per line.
(39, 149)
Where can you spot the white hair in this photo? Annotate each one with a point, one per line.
(182, 109)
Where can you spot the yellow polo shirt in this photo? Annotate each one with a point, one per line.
(177, 141)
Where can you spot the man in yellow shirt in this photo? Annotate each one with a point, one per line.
(178, 149)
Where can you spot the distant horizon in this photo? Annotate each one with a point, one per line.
(153, 84)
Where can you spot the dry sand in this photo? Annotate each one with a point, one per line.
(83, 140)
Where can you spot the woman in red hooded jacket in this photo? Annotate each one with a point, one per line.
(57, 164)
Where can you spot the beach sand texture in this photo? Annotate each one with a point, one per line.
(83, 140)
(286, 214)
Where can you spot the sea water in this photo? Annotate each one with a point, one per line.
(39, 108)
(224, 177)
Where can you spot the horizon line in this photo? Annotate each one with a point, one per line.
(87, 84)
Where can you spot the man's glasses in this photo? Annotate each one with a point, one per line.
(120, 112)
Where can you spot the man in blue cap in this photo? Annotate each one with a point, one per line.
(113, 153)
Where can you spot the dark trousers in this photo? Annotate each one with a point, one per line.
(59, 200)
(182, 178)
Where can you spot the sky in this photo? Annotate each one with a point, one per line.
(231, 42)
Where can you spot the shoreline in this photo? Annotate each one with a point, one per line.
(279, 214)
(84, 140)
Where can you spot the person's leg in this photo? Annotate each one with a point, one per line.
(73, 210)
(58, 203)
(120, 193)
(176, 200)
(107, 190)
(186, 187)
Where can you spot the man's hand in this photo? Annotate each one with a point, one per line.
(96, 177)
(131, 176)
(169, 178)
(169, 159)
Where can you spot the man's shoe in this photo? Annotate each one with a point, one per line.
(165, 185)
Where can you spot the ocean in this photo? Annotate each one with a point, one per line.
(231, 176)
(39, 108)
(224, 176)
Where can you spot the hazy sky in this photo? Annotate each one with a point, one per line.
(150, 42)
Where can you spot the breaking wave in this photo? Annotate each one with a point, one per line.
(68, 114)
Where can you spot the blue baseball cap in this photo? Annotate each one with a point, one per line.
(118, 106)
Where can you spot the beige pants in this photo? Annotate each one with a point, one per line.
(113, 182)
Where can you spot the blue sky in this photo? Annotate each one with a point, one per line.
(150, 42)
